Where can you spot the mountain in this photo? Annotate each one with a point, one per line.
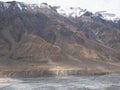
(37, 40)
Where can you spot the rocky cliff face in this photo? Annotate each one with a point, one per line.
(38, 38)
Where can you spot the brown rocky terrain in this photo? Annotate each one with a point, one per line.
(40, 42)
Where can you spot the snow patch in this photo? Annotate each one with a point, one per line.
(19, 6)
(71, 12)
(33, 6)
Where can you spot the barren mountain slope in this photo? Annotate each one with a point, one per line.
(31, 40)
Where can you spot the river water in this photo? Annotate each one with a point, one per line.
(104, 82)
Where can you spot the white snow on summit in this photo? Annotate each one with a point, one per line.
(107, 16)
(44, 5)
(71, 12)
(66, 12)
(78, 12)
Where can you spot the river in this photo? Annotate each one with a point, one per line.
(104, 82)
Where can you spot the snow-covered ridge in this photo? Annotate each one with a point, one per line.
(20, 5)
(66, 12)
(78, 12)
(107, 16)
(72, 11)
(9, 4)
(44, 5)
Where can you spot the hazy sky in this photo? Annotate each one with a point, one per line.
(112, 6)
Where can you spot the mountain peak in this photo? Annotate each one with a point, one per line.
(17, 5)
(107, 16)
(44, 5)
(67, 12)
